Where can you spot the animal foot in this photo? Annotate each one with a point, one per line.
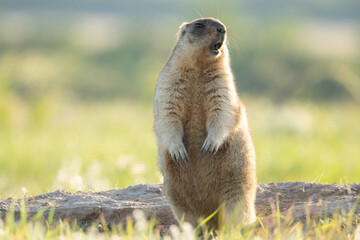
(210, 145)
(178, 152)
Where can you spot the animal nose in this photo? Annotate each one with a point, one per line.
(220, 30)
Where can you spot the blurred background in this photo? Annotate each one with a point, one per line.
(77, 82)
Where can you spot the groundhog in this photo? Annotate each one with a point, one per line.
(205, 150)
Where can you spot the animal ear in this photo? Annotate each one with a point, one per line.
(182, 29)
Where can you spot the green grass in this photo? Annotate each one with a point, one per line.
(306, 142)
(57, 143)
(49, 139)
(339, 227)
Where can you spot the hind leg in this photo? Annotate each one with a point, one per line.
(238, 207)
(239, 182)
(240, 210)
(205, 229)
(185, 216)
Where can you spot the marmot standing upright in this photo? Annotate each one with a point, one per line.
(206, 154)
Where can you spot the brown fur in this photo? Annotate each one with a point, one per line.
(196, 105)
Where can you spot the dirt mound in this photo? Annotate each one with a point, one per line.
(297, 198)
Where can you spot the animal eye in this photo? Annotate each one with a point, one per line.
(199, 25)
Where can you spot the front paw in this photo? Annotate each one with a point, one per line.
(211, 145)
(178, 152)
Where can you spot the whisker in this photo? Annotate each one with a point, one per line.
(234, 43)
(198, 13)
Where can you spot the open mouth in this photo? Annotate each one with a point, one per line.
(216, 46)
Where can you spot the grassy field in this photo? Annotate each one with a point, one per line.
(340, 227)
(77, 84)
(61, 144)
